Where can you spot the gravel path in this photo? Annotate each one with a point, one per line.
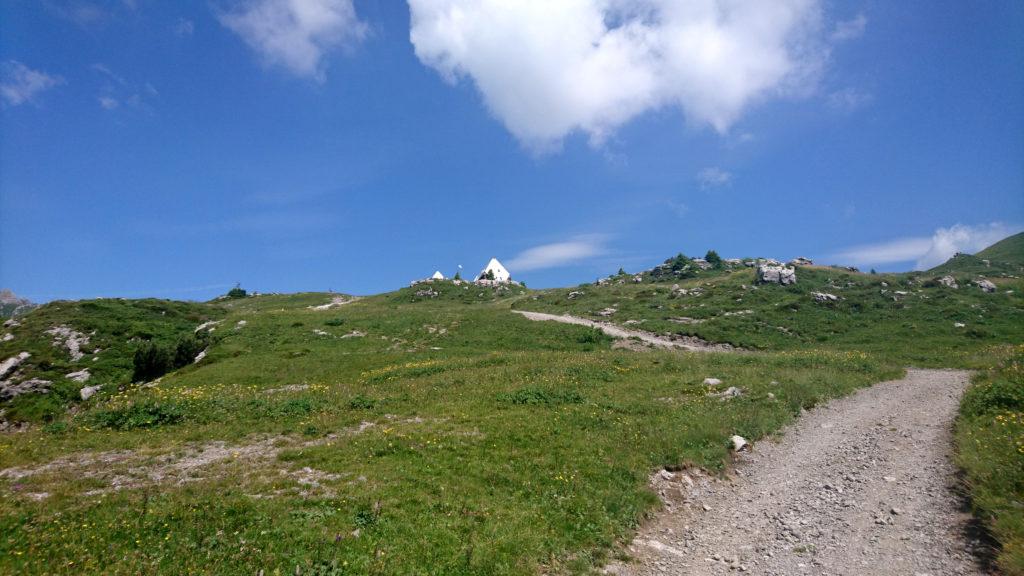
(860, 486)
(679, 342)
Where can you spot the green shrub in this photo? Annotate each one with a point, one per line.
(141, 415)
(361, 402)
(151, 361)
(187, 348)
(541, 396)
(237, 292)
(713, 258)
(334, 322)
(593, 336)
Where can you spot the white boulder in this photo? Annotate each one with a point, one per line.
(738, 443)
(775, 274)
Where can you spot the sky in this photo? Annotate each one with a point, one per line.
(174, 149)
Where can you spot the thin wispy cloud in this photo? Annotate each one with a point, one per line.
(850, 29)
(118, 91)
(927, 252)
(296, 35)
(548, 69)
(572, 252)
(20, 84)
(849, 99)
(713, 177)
(184, 27)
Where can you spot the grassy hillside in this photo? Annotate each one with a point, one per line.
(873, 312)
(394, 434)
(1008, 250)
(431, 430)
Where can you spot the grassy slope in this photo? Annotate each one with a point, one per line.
(1005, 258)
(502, 446)
(114, 326)
(990, 442)
(870, 317)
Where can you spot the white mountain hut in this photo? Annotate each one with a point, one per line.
(494, 267)
(437, 276)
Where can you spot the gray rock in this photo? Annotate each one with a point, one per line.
(775, 274)
(824, 297)
(10, 390)
(80, 376)
(712, 381)
(606, 312)
(7, 337)
(738, 443)
(575, 294)
(985, 285)
(8, 366)
(89, 391)
(949, 282)
(801, 261)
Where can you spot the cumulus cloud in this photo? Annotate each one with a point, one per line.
(928, 252)
(296, 34)
(850, 29)
(547, 69)
(713, 177)
(20, 84)
(558, 254)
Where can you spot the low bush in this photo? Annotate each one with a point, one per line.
(141, 415)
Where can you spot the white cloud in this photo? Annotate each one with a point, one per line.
(713, 177)
(928, 252)
(108, 103)
(296, 34)
(558, 254)
(547, 69)
(20, 84)
(850, 29)
(118, 90)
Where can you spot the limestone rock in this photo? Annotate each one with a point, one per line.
(89, 391)
(712, 381)
(985, 285)
(738, 443)
(8, 366)
(772, 274)
(10, 390)
(824, 297)
(80, 376)
(949, 282)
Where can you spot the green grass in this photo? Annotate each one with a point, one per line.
(870, 317)
(440, 433)
(990, 450)
(499, 445)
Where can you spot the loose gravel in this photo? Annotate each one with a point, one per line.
(864, 485)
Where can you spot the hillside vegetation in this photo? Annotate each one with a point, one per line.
(431, 430)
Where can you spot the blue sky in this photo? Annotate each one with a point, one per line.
(172, 149)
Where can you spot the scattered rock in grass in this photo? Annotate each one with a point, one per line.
(429, 293)
(320, 332)
(958, 324)
(730, 392)
(10, 390)
(89, 391)
(824, 297)
(775, 274)
(771, 396)
(738, 313)
(7, 337)
(985, 285)
(11, 323)
(638, 278)
(354, 334)
(801, 261)
(240, 324)
(200, 356)
(288, 388)
(80, 376)
(70, 339)
(575, 294)
(8, 366)
(738, 443)
(712, 381)
(606, 312)
(949, 282)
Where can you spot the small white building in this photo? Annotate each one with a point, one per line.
(437, 276)
(496, 269)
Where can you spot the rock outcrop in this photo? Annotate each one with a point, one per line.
(775, 274)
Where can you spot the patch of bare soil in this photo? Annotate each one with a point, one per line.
(640, 338)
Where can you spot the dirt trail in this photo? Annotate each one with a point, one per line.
(860, 486)
(679, 342)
